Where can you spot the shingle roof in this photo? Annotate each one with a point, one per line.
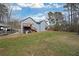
(33, 20)
(27, 18)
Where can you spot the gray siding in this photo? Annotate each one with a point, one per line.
(39, 26)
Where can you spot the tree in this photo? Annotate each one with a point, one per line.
(50, 15)
(3, 11)
(15, 24)
(55, 20)
(50, 19)
(59, 19)
(58, 16)
(10, 10)
(77, 17)
(72, 9)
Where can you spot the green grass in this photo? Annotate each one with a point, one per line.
(43, 43)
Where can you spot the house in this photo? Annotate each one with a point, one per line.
(30, 25)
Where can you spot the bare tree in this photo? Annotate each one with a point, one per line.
(72, 9)
(3, 12)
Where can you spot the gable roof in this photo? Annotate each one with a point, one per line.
(33, 20)
(28, 18)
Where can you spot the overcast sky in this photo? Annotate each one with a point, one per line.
(35, 10)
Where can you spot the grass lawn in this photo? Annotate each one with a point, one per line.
(43, 43)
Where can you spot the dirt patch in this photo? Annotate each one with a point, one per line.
(2, 50)
(14, 35)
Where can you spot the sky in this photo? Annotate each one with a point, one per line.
(37, 11)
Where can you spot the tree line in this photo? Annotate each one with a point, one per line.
(68, 23)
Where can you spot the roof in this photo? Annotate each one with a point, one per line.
(33, 20)
(28, 18)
